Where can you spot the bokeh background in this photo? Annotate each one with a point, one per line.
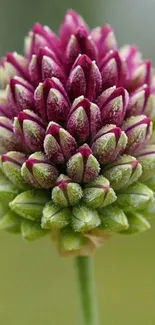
(36, 285)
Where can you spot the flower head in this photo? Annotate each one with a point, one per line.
(76, 142)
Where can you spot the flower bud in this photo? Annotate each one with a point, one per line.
(113, 103)
(142, 74)
(59, 145)
(105, 40)
(84, 119)
(132, 56)
(31, 230)
(84, 79)
(113, 219)
(11, 165)
(70, 242)
(80, 43)
(55, 217)
(108, 143)
(66, 193)
(98, 194)
(10, 222)
(83, 166)
(45, 65)
(146, 157)
(4, 109)
(123, 172)
(8, 140)
(19, 95)
(39, 172)
(51, 101)
(137, 223)
(41, 36)
(30, 128)
(113, 70)
(30, 204)
(142, 101)
(135, 197)
(13, 65)
(84, 218)
(69, 26)
(7, 191)
(138, 130)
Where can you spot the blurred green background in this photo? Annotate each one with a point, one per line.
(36, 285)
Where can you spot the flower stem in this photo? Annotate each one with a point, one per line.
(84, 266)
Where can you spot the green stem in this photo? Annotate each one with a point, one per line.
(84, 266)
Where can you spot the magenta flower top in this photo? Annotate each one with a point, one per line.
(76, 137)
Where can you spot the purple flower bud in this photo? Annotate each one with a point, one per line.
(113, 70)
(4, 109)
(41, 36)
(139, 72)
(11, 65)
(8, 140)
(59, 145)
(66, 192)
(45, 65)
(80, 43)
(12, 162)
(31, 130)
(51, 101)
(142, 101)
(108, 143)
(76, 109)
(104, 38)
(39, 172)
(69, 26)
(138, 130)
(132, 56)
(84, 119)
(84, 79)
(19, 95)
(141, 75)
(113, 103)
(83, 166)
